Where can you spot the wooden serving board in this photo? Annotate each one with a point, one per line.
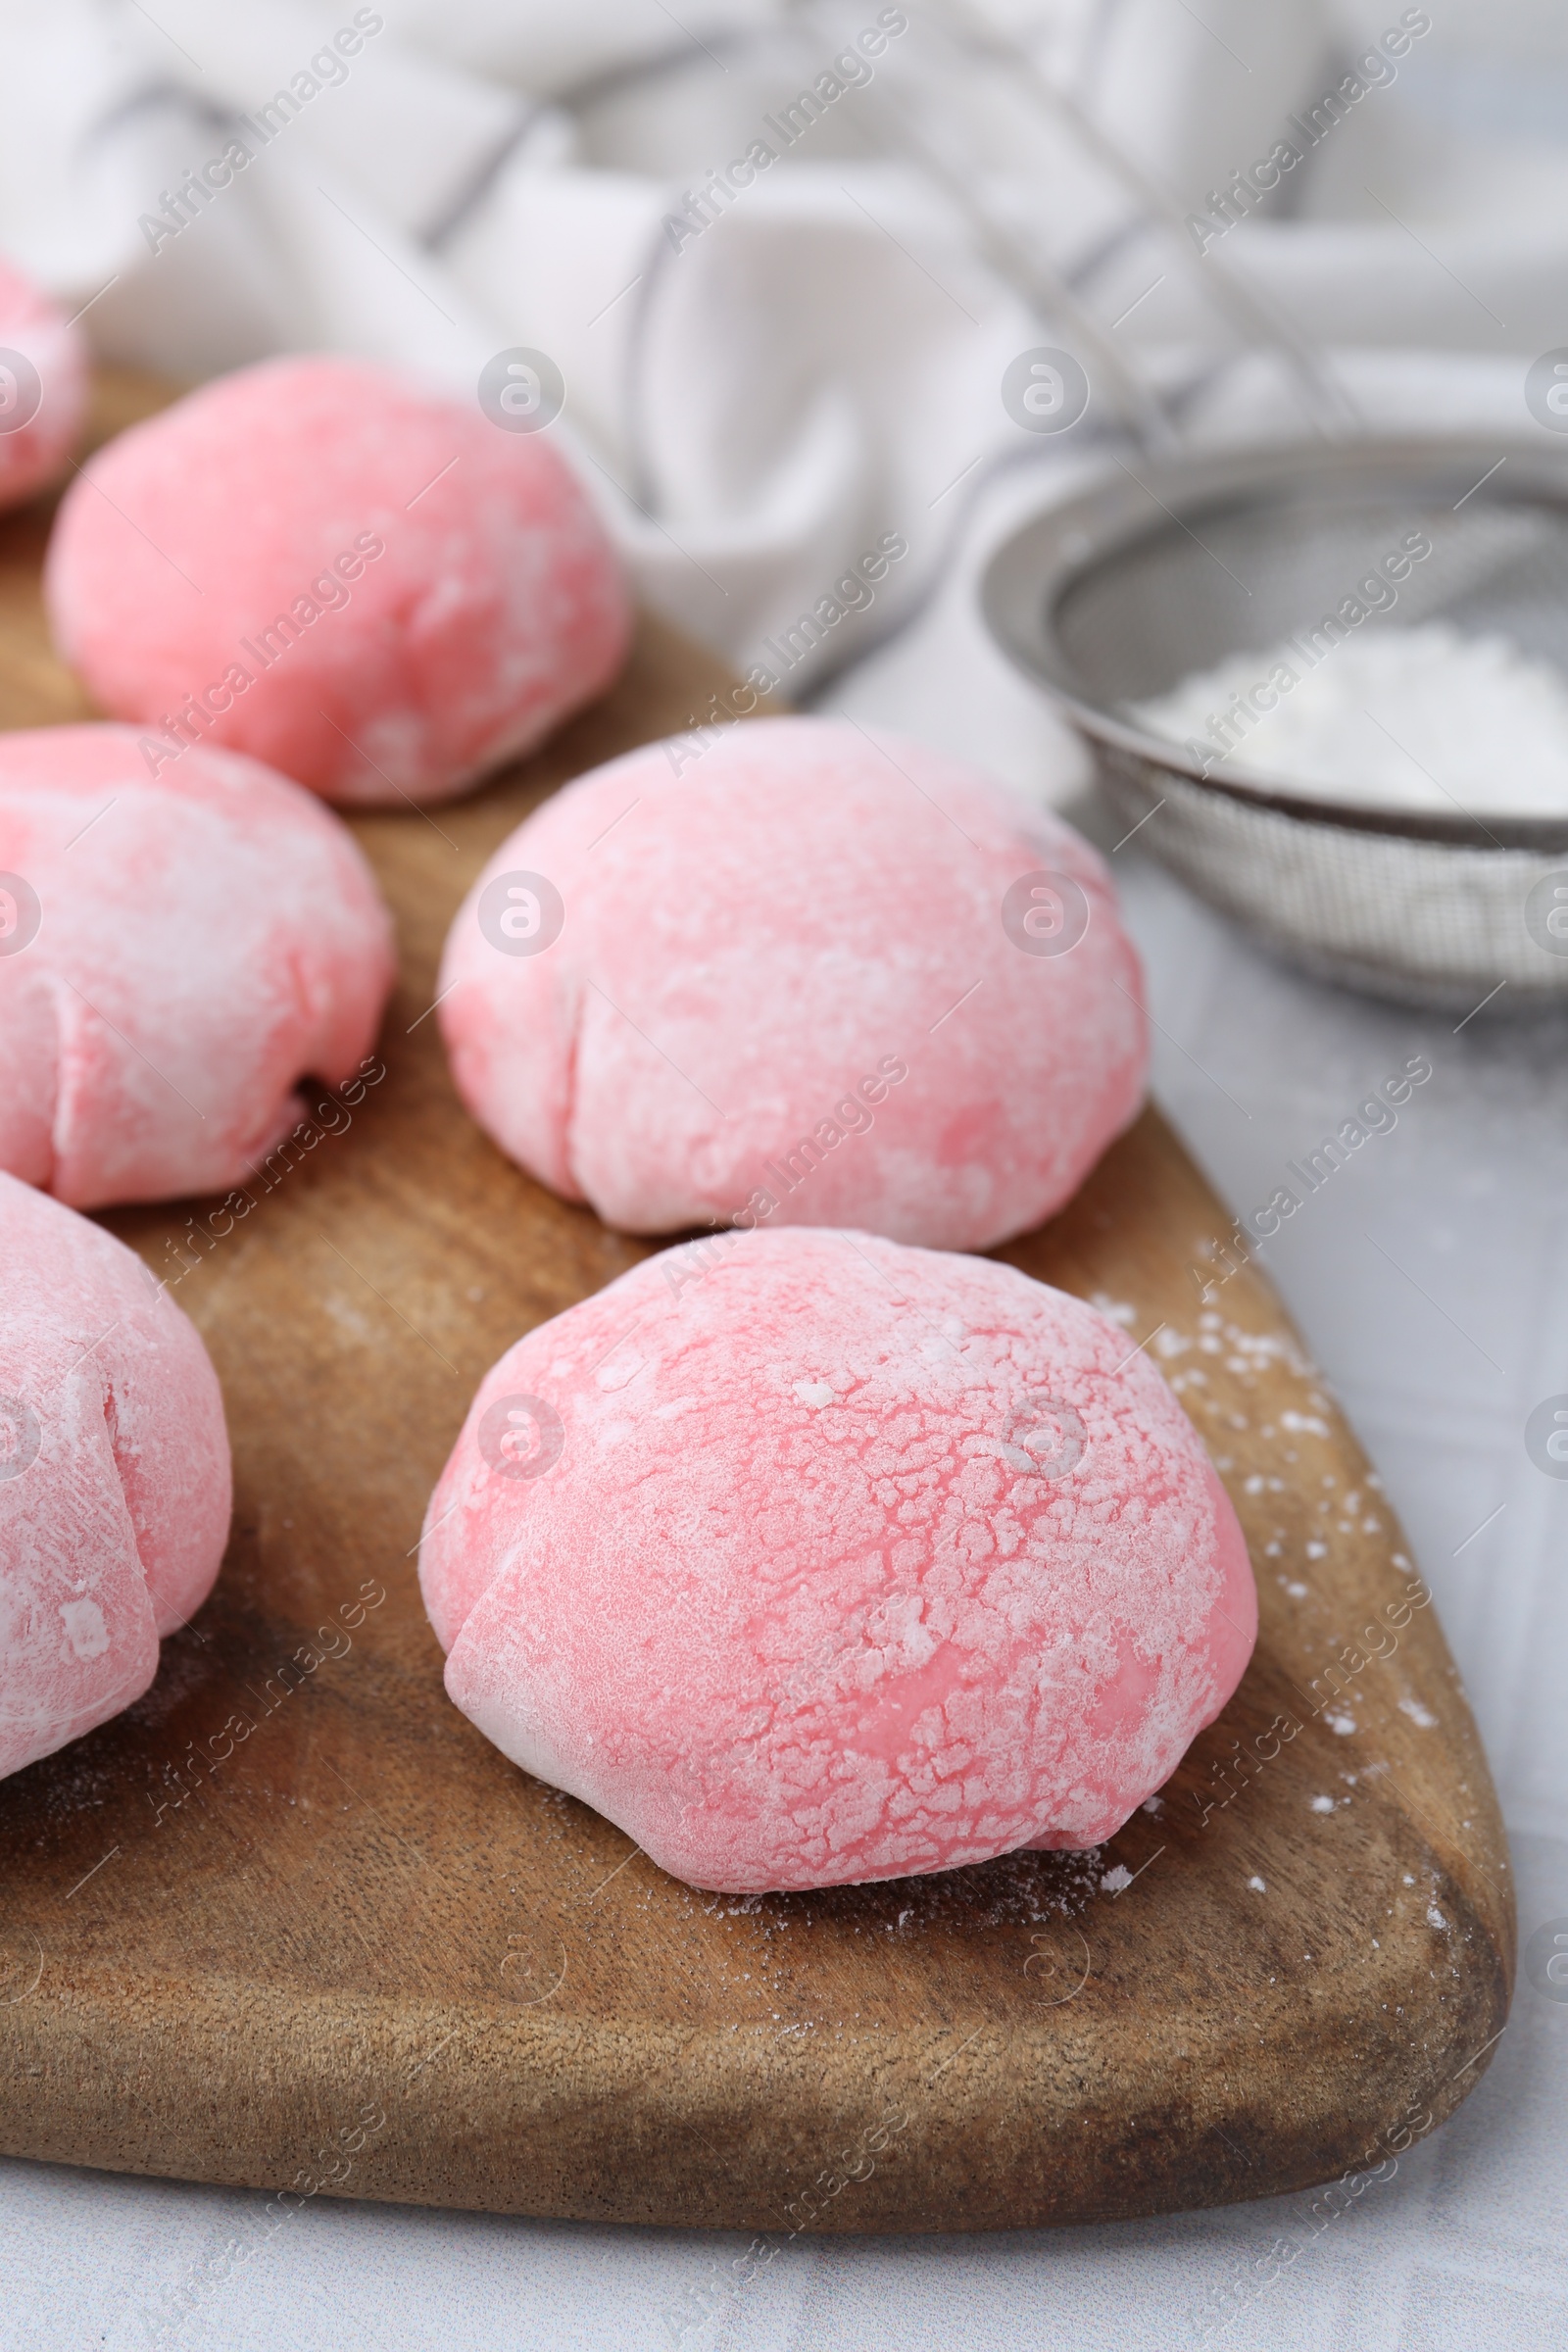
(297, 1925)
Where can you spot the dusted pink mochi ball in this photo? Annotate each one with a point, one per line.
(368, 585)
(797, 975)
(114, 1484)
(809, 1558)
(43, 386)
(174, 956)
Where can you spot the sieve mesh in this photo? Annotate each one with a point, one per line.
(1118, 594)
(1433, 923)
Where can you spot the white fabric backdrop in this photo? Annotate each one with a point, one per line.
(754, 407)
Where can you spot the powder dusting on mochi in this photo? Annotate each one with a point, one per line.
(798, 975)
(115, 1478)
(809, 1558)
(369, 585)
(174, 957)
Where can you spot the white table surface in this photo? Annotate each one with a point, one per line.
(1438, 1362)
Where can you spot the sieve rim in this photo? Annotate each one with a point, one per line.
(1029, 575)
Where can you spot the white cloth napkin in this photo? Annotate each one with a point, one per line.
(759, 396)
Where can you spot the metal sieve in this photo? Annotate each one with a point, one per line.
(1159, 568)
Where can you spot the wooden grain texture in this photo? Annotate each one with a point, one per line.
(342, 1947)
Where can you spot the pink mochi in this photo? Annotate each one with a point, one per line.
(115, 1482)
(174, 956)
(43, 386)
(789, 976)
(368, 585)
(809, 1558)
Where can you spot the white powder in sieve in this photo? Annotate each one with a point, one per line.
(1410, 719)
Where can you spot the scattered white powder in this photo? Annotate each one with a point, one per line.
(1409, 719)
(1115, 1310)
